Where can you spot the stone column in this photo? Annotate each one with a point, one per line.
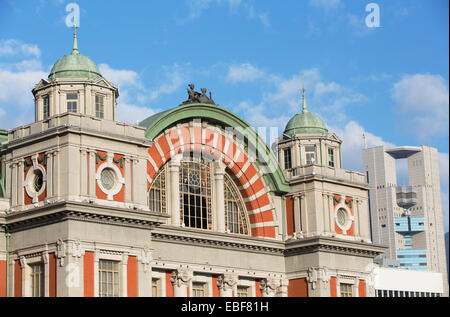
(91, 173)
(14, 185)
(304, 214)
(226, 284)
(325, 213)
(46, 272)
(49, 169)
(174, 175)
(145, 273)
(318, 282)
(219, 174)
(20, 182)
(128, 176)
(297, 213)
(356, 214)
(283, 288)
(72, 268)
(124, 272)
(83, 173)
(180, 279)
(269, 287)
(332, 219)
(55, 173)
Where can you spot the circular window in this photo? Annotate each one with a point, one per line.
(341, 217)
(37, 180)
(108, 178)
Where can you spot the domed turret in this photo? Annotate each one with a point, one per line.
(305, 123)
(75, 85)
(74, 65)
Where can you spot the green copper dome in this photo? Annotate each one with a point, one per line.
(75, 65)
(305, 123)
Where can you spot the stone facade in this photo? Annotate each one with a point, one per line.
(178, 206)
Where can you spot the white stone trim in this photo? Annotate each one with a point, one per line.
(120, 181)
(350, 218)
(28, 184)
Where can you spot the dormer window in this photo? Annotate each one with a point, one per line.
(46, 107)
(72, 102)
(287, 159)
(310, 152)
(99, 107)
(330, 157)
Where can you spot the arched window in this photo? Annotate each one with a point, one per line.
(235, 216)
(195, 194)
(157, 194)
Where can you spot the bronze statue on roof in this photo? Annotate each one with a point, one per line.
(196, 97)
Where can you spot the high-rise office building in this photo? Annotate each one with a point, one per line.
(407, 219)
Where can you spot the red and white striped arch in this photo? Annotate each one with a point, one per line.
(211, 140)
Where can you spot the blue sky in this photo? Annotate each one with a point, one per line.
(390, 83)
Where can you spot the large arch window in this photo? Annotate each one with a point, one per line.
(235, 216)
(157, 194)
(195, 194)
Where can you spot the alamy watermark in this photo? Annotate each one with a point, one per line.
(373, 18)
(73, 18)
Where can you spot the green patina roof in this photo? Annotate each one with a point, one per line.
(159, 122)
(74, 65)
(305, 122)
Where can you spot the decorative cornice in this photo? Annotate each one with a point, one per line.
(63, 129)
(62, 211)
(332, 245)
(326, 178)
(258, 245)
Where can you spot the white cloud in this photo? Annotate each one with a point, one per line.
(261, 16)
(328, 97)
(15, 48)
(196, 8)
(353, 143)
(133, 114)
(120, 77)
(325, 4)
(174, 79)
(15, 87)
(422, 101)
(245, 72)
(322, 88)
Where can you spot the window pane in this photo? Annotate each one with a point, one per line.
(46, 108)
(235, 213)
(99, 108)
(331, 157)
(37, 280)
(195, 194)
(157, 193)
(287, 158)
(109, 280)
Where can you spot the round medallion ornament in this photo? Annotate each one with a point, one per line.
(341, 217)
(108, 178)
(35, 182)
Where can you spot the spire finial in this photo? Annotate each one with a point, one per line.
(304, 109)
(75, 43)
